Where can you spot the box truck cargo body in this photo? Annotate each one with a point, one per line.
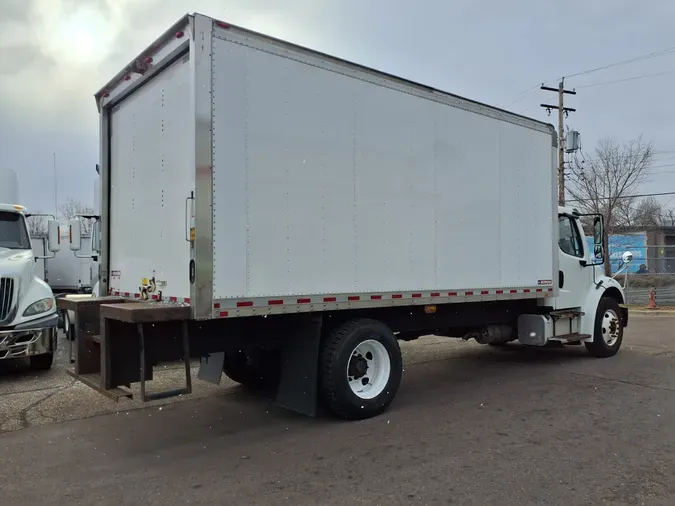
(243, 176)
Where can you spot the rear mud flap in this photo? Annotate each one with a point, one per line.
(211, 368)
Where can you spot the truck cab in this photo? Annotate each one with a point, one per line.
(588, 303)
(28, 317)
(581, 274)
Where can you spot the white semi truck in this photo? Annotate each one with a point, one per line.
(28, 318)
(288, 217)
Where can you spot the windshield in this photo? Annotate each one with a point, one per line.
(13, 233)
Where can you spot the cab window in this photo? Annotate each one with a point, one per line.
(569, 239)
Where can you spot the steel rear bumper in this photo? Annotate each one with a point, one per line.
(33, 338)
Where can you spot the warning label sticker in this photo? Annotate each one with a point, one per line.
(545, 282)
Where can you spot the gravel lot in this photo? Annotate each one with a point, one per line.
(471, 425)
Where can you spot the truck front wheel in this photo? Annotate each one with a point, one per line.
(360, 369)
(608, 331)
(257, 370)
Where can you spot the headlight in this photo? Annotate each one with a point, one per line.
(41, 306)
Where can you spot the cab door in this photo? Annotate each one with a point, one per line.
(573, 277)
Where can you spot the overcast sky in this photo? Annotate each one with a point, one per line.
(54, 54)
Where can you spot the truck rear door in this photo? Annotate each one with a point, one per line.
(151, 176)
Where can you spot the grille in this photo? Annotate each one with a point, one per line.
(6, 297)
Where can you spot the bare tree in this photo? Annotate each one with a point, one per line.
(648, 212)
(669, 218)
(599, 185)
(37, 226)
(71, 209)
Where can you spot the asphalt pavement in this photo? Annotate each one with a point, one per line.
(471, 425)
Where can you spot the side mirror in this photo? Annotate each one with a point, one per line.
(96, 237)
(598, 236)
(75, 234)
(53, 236)
(627, 257)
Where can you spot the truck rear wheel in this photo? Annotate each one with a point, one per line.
(360, 369)
(608, 331)
(41, 362)
(256, 370)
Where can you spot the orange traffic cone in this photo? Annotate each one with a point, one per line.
(652, 299)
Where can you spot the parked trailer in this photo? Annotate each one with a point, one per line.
(64, 272)
(287, 217)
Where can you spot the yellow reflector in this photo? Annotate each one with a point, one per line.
(429, 309)
(192, 234)
(19, 208)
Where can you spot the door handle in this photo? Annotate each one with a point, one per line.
(189, 230)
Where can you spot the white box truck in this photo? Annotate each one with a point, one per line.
(28, 316)
(287, 217)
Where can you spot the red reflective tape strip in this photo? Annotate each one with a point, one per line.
(397, 296)
(304, 301)
(245, 303)
(550, 289)
(376, 297)
(484, 292)
(468, 293)
(276, 302)
(173, 299)
(187, 300)
(513, 291)
(137, 296)
(436, 294)
(499, 292)
(222, 25)
(155, 296)
(127, 294)
(526, 290)
(452, 294)
(330, 299)
(222, 314)
(353, 297)
(416, 295)
(540, 289)
(216, 305)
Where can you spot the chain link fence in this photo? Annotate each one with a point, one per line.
(652, 266)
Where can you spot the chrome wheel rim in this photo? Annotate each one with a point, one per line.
(611, 327)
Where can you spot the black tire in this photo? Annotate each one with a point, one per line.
(334, 360)
(41, 362)
(259, 370)
(599, 346)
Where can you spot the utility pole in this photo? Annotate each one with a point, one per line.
(563, 112)
(56, 199)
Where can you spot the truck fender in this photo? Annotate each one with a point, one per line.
(608, 288)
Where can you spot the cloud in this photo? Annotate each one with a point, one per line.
(55, 54)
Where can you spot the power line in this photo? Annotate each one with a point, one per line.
(645, 76)
(660, 194)
(518, 97)
(647, 56)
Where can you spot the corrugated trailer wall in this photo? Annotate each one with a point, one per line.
(329, 183)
